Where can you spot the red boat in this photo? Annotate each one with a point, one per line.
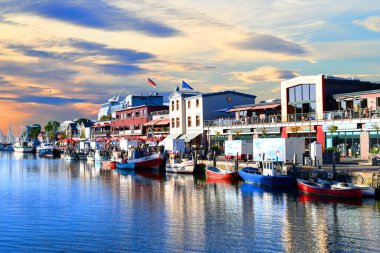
(147, 162)
(215, 172)
(324, 189)
(109, 164)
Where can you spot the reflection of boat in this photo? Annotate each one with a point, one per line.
(215, 172)
(316, 199)
(97, 156)
(325, 189)
(222, 180)
(125, 166)
(82, 156)
(149, 174)
(126, 172)
(109, 164)
(252, 175)
(7, 147)
(177, 165)
(249, 188)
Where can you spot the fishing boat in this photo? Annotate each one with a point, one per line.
(176, 165)
(23, 147)
(271, 176)
(109, 164)
(215, 172)
(47, 149)
(7, 147)
(367, 190)
(148, 162)
(325, 189)
(125, 166)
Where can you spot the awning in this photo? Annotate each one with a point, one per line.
(240, 109)
(172, 136)
(163, 122)
(152, 122)
(189, 136)
(263, 107)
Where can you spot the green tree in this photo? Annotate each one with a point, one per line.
(51, 136)
(34, 131)
(52, 126)
(105, 117)
(84, 120)
(63, 135)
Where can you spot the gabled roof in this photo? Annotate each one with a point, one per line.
(225, 92)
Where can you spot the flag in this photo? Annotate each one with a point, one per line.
(185, 85)
(152, 83)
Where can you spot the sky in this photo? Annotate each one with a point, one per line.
(59, 60)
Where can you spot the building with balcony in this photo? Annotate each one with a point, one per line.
(131, 121)
(190, 109)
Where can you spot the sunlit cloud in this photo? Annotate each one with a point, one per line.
(371, 23)
(264, 74)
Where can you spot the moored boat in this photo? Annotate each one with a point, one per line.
(109, 164)
(125, 166)
(23, 147)
(147, 162)
(215, 172)
(252, 175)
(177, 165)
(367, 190)
(325, 189)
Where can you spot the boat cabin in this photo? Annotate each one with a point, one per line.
(272, 168)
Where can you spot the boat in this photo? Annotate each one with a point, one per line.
(47, 149)
(125, 166)
(325, 189)
(7, 147)
(177, 165)
(82, 156)
(98, 157)
(215, 172)
(367, 190)
(91, 156)
(148, 162)
(23, 147)
(271, 175)
(109, 164)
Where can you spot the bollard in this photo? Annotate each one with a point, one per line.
(214, 158)
(334, 165)
(237, 161)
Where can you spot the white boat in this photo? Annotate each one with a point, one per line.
(177, 165)
(97, 156)
(23, 147)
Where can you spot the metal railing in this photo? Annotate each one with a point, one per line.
(328, 116)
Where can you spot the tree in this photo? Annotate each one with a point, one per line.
(63, 135)
(52, 126)
(51, 136)
(105, 117)
(34, 131)
(377, 128)
(82, 120)
(237, 134)
(264, 131)
(332, 129)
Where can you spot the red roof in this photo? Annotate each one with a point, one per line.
(163, 122)
(152, 122)
(240, 109)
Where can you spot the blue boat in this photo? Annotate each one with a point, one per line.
(125, 166)
(271, 176)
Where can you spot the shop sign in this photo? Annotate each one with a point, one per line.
(371, 126)
(301, 129)
(269, 130)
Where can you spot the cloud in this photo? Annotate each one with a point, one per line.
(272, 44)
(91, 14)
(45, 100)
(263, 74)
(120, 69)
(371, 23)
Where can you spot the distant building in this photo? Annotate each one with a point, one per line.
(113, 104)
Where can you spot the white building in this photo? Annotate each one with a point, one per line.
(189, 109)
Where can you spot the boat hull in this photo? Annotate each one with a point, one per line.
(23, 149)
(279, 181)
(210, 172)
(125, 166)
(151, 162)
(109, 164)
(307, 187)
(181, 169)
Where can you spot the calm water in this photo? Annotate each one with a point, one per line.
(62, 206)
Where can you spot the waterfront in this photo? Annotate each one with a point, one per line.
(57, 205)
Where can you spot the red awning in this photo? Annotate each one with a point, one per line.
(264, 107)
(114, 138)
(67, 140)
(163, 122)
(240, 109)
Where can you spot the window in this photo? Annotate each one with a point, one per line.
(173, 123)
(197, 103)
(197, 120)
(177, 105)
(298, 93)
(172, 105)
(188, 104)
(177, 122)
(189, 121)
(291, 95)
(137, 114)
(305, 92)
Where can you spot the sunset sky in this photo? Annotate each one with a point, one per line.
(61, 59)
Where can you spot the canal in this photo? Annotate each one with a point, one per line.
(53, 205)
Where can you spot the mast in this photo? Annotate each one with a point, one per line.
(10, 136)
(2, 139)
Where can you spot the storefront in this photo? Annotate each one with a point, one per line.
(344, 137)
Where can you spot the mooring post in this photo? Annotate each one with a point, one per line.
(214, 158)
(237, 161)
(334, 165)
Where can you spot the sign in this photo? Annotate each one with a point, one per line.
(269, 130)
(301, 129)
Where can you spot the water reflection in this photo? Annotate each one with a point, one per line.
(91, 208)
